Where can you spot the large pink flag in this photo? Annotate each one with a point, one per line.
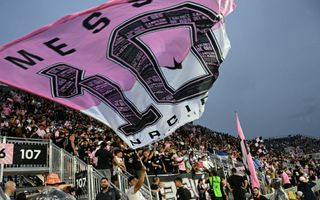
(247, 158)
(239, 129)
(143, 67)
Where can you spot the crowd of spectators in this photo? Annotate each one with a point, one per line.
(29, 116)
(290, 159)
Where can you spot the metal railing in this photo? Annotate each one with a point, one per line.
(95, 177)
(23, 168)
(124, 184)
(70, 165)
(66, 166)
(60, 162)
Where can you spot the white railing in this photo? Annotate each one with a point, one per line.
(124, 185)
(94, 177)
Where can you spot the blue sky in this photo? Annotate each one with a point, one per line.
(271, 75)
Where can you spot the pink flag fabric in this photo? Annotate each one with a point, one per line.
(239, 129)
(142, 67)
(247, 158)
(6, 153)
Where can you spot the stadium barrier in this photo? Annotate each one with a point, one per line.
(223, 165)
(169, 189)
(30, 156)
(34, 156)
(84, 177)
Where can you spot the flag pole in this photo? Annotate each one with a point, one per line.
(148, 182)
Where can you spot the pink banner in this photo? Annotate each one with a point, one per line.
(143, 72)
(247, 158)
(6, 153)
(239, 129)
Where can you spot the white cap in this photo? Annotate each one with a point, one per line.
(299, 193)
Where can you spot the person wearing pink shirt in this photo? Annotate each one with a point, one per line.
(285, 179)
(181, 164)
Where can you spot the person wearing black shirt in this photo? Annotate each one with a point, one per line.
(305, 186)
(147, 158)
(21, 196)
(156, 165)
(182, 193)
(107, 191)
(105, 157)
(201, 189)
(83, 151)
(167, 161)
(70, 142)
(155, 187)
(131, 161)
(237, 184)
(257, 195)
(296, 174)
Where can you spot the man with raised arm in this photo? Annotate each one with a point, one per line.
(135, 185)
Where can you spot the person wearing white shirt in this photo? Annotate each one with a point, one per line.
(9, 189)
(135, 185)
